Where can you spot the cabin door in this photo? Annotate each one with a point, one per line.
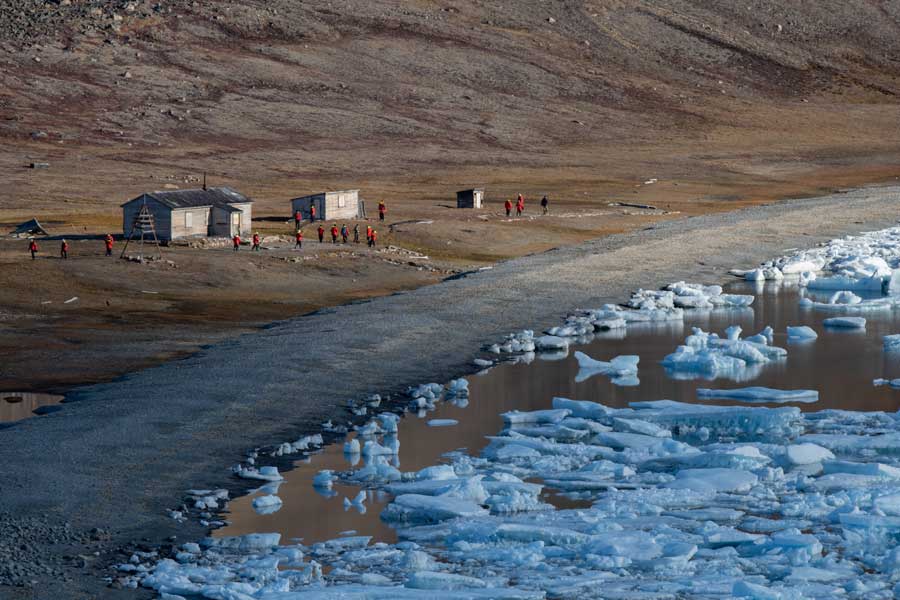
(235, 223)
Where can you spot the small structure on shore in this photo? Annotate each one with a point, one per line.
(32, 227)
(178, 214)
(470, 198)
(331, 206)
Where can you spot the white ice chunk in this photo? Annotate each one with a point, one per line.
(618, 367)
(845, 322)
(760, 394)
(801, 332)
(716, 480)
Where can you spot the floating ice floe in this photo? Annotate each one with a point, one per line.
(894, 383)
(442, 422)
(801, 333)
(622, 369)
(760, 394)
(263, 473)
(677, 500)
(891, 342)
(268, 504)
(687, 295)
(706, 355)
(845, 322)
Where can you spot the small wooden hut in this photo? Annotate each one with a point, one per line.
(470, 198)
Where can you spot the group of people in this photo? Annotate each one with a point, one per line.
(343, 233)
(33, 247)
(520, 206)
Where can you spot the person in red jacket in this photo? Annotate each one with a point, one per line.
(381, 210)
(373, 237)
(64, 250)
(108, 242)
(255, 241)
(321, 231)
(312, 212)
(236, 240)
(368, 233)
(32, 247)
(299, 239)
(334, 233)
(508, 206)
(520, 205)
(298, 216)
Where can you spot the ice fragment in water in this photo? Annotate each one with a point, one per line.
(801, 333)
(845, 322)
(760, 394)
(442, 422)
(620, 368)
(265, 505)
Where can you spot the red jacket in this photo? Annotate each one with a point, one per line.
(507, 205)
(374, 235)
(312, 211)
(382, 208)
(299, 236)
(334, 231)
(321, 230)
(32, 246)
(65, 246)
(256, 239)
(109, 242)
(237, 240)
(298, 216)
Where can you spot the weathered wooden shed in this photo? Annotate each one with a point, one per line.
(344, 204)
(219, 211)
(470, 198)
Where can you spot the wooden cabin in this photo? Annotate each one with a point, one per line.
(179, 214)
(331, 206)
(473, 198)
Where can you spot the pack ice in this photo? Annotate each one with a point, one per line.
(673, 500)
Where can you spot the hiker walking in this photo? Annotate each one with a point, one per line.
(32, 247)
(299, 239)
(298, 217)
(255, 241)
(356, 233)
(508, 206)
(345, 233)
(520, 205)
(108, 241)
(312, 212)
(381, 210)
(373, 238)
(368, 234)
(236, 240)
(64, 250)
(545, 205)
(321, 231)
(334, 233)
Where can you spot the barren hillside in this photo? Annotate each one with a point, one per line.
(269, 92)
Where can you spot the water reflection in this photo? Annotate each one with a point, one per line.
(15, 406)
(841, 365)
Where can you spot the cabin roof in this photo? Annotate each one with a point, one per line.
(217, 196)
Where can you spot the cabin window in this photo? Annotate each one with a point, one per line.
(189, 220)
(342, 201)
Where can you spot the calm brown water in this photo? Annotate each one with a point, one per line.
(15, 406)
(841, 365)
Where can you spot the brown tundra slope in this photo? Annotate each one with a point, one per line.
(731, 96)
